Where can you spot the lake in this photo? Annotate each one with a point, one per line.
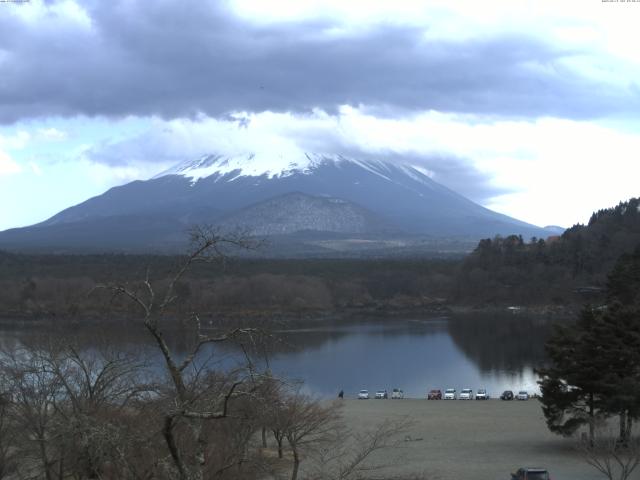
(493, 351)
(470, 351)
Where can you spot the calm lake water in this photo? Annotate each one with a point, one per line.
(496, 352)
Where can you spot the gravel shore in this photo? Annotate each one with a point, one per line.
(455, 440)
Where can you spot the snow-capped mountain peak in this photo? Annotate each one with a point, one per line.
(248, 165)
(279, 166)
(293, 195)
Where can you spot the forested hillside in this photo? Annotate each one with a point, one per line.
(557, 269)
(563, 271)
(44, 284)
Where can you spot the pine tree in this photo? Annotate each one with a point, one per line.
(571, 384)
(623, 286)
(619, 331)
(594, 368)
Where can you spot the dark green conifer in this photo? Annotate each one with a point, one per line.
(570, 385)
(594, 368)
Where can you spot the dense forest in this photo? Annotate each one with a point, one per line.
(556, 270)
(561, 272)
(61, 284)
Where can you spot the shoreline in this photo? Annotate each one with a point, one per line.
(346, 314)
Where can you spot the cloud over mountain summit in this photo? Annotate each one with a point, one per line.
(172, 60)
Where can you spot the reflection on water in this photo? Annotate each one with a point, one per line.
(501, 342)
(496, 353)
(465, 351)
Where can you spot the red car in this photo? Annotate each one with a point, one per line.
(434, 395)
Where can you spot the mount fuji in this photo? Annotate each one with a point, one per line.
(291, 199)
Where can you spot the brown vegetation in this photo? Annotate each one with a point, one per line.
(67, 413)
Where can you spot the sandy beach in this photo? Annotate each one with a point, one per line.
(454, 440)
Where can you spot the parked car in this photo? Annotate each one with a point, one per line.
(482, 394)
(363, 395)
(466, 394)
(450, 394)
(381, 394)
(531, 474)
(523, 395)
(506, 395)
(434, 395)
(397, 393)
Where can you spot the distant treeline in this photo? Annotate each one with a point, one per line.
(61, 284)
(554, 270)
(500, 271)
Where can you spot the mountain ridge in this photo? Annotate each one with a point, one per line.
(213, 189)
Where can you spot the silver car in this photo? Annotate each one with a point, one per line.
(466, 394)
(397, 393)
(381, 394)
(482, 394)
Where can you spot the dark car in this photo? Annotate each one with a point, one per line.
(434, 395)
(531, 474)
(506, 395)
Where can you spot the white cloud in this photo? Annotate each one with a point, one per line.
(105, 176)
(557, 171)
(7, 165)
(36, 169)
(16, 141)
(168, 142)
(560, 170)
(602, 37)
(569, 22)
(52, 134)
(54, 14)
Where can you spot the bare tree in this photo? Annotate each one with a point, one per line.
(8, 457)
(306, 423)
(67, 409)
(34, 391)
(192, 397)
(614, 459)
(351, 455)
(274, 417)
(73, 413)
(95, 388)
(269, 415)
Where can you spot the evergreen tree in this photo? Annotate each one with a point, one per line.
(595, 363)
(623, 286)
(619, 333)
(570, 386)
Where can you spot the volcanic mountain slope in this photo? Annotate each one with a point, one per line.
(296, 212)
(269, 195)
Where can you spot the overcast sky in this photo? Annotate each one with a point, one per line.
(531, 108)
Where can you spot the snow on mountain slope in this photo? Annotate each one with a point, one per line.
(273, 165)
(296, 212)
(333, 194)
(403, 194)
